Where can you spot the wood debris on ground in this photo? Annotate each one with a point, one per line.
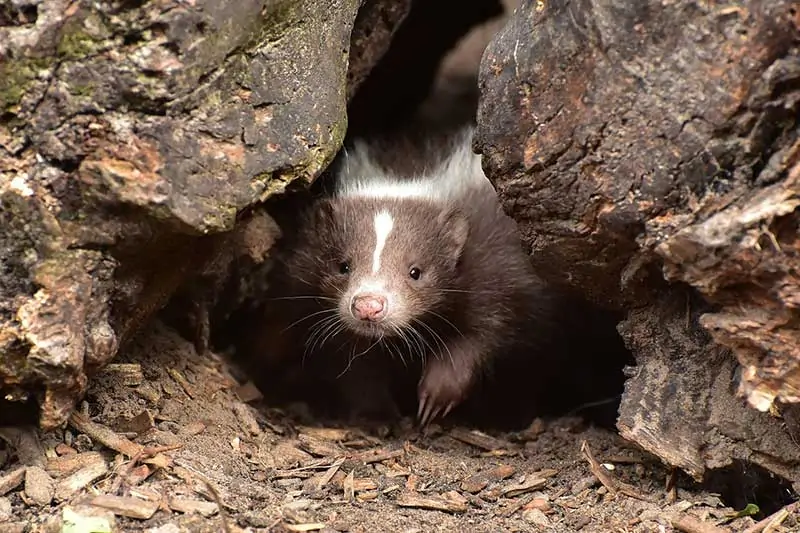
(182, 448)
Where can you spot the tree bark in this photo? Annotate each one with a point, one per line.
(650, 153)
(129, 132)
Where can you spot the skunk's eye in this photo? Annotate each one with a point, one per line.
(415, 273)
(344, 267)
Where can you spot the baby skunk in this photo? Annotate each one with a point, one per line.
(424, 266)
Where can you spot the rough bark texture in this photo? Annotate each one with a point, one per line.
(644, 146)
(130, 130)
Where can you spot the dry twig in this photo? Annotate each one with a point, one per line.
(437, 503)
(376, 456)
(613, 485)
(180, 380)
(223, 515)
(12, 480)
(688, 524)
(104, 435)
(126, 506)
(328, 475)
(478, 439)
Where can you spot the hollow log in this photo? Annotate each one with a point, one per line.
(132, 134)
(650, 154)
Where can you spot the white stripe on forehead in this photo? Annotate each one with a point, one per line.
(383, 226)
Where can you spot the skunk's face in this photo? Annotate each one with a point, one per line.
(384, 263)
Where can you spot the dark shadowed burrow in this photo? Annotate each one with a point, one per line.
(649, 152)
(411, 94)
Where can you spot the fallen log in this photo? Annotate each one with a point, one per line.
(650, 153)
(132, 135)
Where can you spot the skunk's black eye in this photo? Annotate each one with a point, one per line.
(415, 273)
(344, 267)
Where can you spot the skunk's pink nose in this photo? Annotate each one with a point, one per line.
(370, 307)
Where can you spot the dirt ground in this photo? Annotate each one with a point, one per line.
(164, 437)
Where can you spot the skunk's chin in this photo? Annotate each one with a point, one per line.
(371, 330)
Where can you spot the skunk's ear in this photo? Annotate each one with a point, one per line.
(454, 229)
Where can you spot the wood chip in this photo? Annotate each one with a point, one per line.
(87, 518)
(479, 439)
(545, 473)
(181, 380)
(150, 393)
(331, 434)
(325, 478)
(129, 373)
(493, 494)
(63, 466)
(393, 488)
(317, 446)
(536, 517)
(377, 456)
(688, 524)
(397, 471)
(141, 423)
(248, 392)
(159, 461)
(348, 486)
(513, 507)
(479, 481)
(12, 480)
(538, 503)
(436, 503)
(195, 428)
(63, 449)
(146, 494)
(494, 454)
(528, 485)
(39, 486)
(246, 418)
(138, 475)
(362, 484)
(316, 526)
(69, 486)
(367, 496)
(104, 435)
(185, 505)
(126, 506)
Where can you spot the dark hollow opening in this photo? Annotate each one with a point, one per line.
(18, 14)
(419, 90)
(743, 483)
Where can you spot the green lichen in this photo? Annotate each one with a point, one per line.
(322, 156)
(86, 90)
(75, 43)
(272, 183)
(16, 77)
(223, 218)
(276, 18)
